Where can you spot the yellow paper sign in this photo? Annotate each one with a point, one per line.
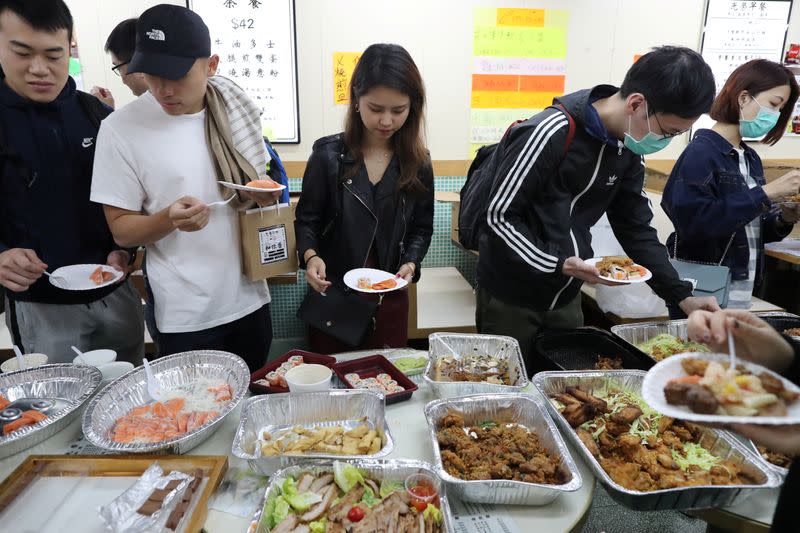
(511, 100)
(520, 17)
(520, 42)
(344, 63)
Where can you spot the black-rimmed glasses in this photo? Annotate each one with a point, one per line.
(115, 68)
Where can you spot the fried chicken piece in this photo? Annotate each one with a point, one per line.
(588, 441)
(627, 415)
(607, 442)
(664, 423)
(775, 386)
(682, 433)
(667, 461)
(453, 419)
(576, 414)
(694, 367)
(617, 428)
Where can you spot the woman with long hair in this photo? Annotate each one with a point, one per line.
(717, 197)
(367, 198)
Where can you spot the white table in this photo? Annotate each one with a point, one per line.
(407, 423)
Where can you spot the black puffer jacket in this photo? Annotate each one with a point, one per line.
(343, 219)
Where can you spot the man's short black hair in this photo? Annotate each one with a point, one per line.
(674, 80)
(122, 40)
(42, 15)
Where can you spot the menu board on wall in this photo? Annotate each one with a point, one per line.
(256, 43)
(737, 31)
(519, 66)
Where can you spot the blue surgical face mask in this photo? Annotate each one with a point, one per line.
(648, 144)
(765, 120)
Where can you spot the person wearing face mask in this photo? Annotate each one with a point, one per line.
(367, 198)
(556, 175)
(716, 196)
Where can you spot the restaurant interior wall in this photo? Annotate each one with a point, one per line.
(603, 37)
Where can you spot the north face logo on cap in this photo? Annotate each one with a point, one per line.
(156, 35)
(611, 179)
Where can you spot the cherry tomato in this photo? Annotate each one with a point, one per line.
(355, 514)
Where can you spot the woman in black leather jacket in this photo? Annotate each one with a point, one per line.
(367, 197)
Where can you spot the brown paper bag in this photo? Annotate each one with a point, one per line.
(268, 244)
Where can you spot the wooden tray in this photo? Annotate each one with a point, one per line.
(213, 467)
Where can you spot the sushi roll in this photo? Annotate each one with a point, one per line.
(352, 377)
(273, 379)
(383, 378)
(296, 360)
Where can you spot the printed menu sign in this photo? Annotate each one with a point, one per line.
(255, 41)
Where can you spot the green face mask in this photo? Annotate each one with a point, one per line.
(648, 144)
(765, 120)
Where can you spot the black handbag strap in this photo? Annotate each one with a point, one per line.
(721, 259)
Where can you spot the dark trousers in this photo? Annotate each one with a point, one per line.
(495, 317)
(250, 338)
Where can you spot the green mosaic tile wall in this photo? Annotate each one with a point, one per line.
(286, 298)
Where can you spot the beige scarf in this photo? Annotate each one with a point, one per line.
(233, 133)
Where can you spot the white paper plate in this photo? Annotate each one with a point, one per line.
(375, 275)
(593, 261)
(669, 368)
(251, 189)
(76, 277)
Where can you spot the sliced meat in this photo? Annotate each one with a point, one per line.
(334, 527)
(302, 528)
(319, 509)
(321, 482)
(627, 415)
(588, 441)
(597, 403)
(374, 487)
(339, 511)
(566, 399)
(576, 414)
(368, 524)
(675, 392)
(305, 483)
(286, 525)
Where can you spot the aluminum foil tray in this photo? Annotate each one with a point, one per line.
(130, 390)
(640, 332)
(524, 410)
(335, 407)
(782, 472)
(70, 385)
(720, 443)
(391, 469)
(445, 344)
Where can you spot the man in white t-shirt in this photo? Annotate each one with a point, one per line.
(155, 175)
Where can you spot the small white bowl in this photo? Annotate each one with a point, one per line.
(115, 369)
(96, 357)
(309, 378)
(31, 360)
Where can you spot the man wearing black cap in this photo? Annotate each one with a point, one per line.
(47, 142)
(156, 170)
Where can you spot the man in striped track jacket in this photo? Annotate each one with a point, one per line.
(548, 193)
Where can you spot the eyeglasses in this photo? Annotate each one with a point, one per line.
(115, 68)
(667, 135)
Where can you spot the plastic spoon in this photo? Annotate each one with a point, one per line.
(153, 387)
(20, 359)
(221, 202)
(731, 350)
(77, 351)
(51, 276)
